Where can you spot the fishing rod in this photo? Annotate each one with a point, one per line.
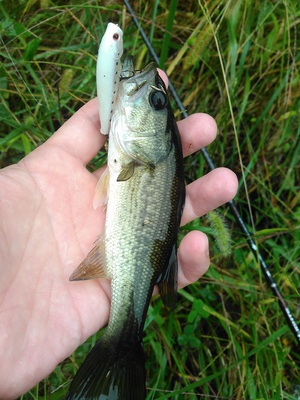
(264, 267)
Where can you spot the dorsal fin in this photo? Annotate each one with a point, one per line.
(167, 283)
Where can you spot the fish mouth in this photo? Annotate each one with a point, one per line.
(138, 83)
(129, 72)
(150, 69)
(147, 73)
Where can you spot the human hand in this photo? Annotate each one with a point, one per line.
(48, 225)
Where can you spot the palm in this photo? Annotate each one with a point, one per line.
(47, 226)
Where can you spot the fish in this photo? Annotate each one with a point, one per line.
(144, 193)
(108, 72)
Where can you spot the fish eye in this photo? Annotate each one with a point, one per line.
(116, 36)
(158, 100)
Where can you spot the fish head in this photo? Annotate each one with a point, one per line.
(140, 121)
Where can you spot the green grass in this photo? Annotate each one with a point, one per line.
(238, 61)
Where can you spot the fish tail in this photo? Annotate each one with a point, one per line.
(113, 370)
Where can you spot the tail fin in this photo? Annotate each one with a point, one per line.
(113, 370)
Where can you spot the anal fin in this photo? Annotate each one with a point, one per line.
(93, 266)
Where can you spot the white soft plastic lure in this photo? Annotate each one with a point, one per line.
(108, 73)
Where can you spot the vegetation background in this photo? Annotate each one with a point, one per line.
(238, 61)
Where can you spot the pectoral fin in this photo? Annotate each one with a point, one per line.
(101, 191)
(93, 266)
(127, 172)
(167, 283)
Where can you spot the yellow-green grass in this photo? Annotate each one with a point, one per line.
(238, 61)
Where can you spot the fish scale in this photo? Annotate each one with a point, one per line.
(145, 190)
(134, 260)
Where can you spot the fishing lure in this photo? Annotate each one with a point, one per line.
(108, 73)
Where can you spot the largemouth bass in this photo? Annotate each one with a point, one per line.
(145, 192)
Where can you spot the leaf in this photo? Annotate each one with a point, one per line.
(26, 144)
(31, 49)
(199, 305)
(195, 342)
(11, 137)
